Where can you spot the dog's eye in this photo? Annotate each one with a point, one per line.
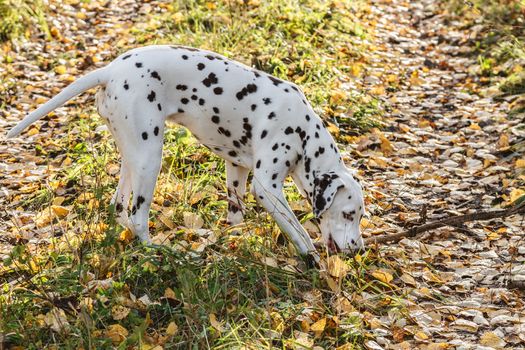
(349, 215)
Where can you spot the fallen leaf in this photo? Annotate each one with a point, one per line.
(336, 266)
(383, 276)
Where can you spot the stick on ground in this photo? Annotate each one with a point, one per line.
(450, 221)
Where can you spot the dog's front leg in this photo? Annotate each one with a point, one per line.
(236, 177)
(269, 193)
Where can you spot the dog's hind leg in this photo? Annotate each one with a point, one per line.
(120, 199)
(236, 177)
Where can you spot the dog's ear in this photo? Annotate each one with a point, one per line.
(325, 187)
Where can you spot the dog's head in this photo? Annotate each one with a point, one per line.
(338, 204)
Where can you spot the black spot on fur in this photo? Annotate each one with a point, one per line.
(184, 100)
(159, 106)
(194, 97)
(295, 88)
(184, 57)
(151, 96)
(288, 130)
(180, 110)
(235, 183)
(257, 75)
(210, 57)
(216, 119)
(210, 80)
(232, 154)
(236, 144)
(248, 89)
(307, 118)
(119, 208)
(258, 164)
(263, 134)
(267, 100)
(253, 107)
(274, 176)
(217, 91)
(133, 210)
(225, 132)
(140, 200)
(275, 160)
(138, 64)
(275, 81)
(216, 110)
(181, 87)
(201, 102)
(201, 66)
(144, 135)
(126, 57)
(155, 75)
(156, 131)
(271, 115)
(126, 86)
(274, 147)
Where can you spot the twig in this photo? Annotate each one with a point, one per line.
(450, 221)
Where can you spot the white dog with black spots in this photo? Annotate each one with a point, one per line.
(256, 122)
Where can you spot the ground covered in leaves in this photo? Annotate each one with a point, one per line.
(424, 98)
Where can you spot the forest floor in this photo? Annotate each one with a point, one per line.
(445, 144)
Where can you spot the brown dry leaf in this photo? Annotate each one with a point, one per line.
(170, 294)
(520, 163)
(119, 312)
(192, 220)
(56, 319)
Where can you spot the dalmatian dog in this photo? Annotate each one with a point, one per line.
(255, 121)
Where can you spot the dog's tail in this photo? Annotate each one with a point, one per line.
(90, 80)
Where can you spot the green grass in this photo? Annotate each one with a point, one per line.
(222, 289)
(18, 16)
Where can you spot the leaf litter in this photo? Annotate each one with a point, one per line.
(443, 151)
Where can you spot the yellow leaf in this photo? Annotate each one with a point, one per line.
(358, 257)
(383, 276)
(210, 5)
(216, 324)
(319, 326)
(493, 236)
(60, 69)
(336, 266)
(32, 132)
(378, 90)
(126, 235)
(60, 211)
(520, 163)
(492, 340)
(277, 321)
(516, 194)
(170, 294)
(172, 329)
(420, 336)
(117, 333)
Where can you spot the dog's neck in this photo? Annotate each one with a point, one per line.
(309, 166)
